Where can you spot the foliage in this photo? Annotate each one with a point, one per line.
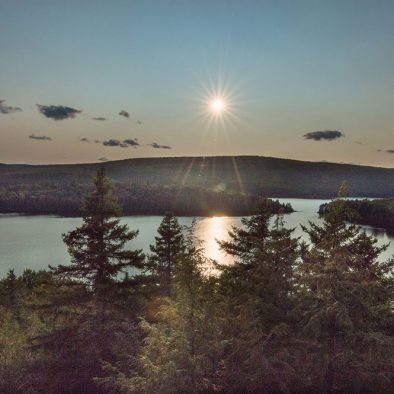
(286, 316)
(348, 306)
(376, 213)
(168, 249)
(185, 185)
(92, 298)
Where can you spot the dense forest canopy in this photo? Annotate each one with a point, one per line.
(287, 316)
(376, 213)
(228, 185)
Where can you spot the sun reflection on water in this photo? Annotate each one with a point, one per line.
(211, 229)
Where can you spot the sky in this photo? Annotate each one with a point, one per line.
(87, 81)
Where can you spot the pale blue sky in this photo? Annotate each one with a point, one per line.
(286, 67)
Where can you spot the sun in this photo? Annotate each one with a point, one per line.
(218, 105)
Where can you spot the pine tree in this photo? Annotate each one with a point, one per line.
(176, 356)
(10, 297)
(168, 248)
(97, 250)
(256, 305)
(347, 307)
(91, 297)
(246, 240)
(97, 247)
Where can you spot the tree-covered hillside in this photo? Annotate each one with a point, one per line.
(198, 185)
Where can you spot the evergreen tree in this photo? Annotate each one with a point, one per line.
(347, 296)
(92, 297)
(178, 353)
(168, 248)
(97, 247)
(257, 298)
(246, 240)
(10, 297)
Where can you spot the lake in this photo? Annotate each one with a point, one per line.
(35, 241)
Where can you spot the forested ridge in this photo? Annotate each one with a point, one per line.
(287, 316)
(186, 185)
(65, 198)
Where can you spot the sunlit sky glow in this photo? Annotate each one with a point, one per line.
(185, 78)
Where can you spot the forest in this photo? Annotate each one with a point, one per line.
(286, 317)
(189, 186)
(64, 198)
(376, 213)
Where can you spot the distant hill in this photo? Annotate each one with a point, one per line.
(209, 178)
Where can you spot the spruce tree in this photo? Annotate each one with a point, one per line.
(10, 297)
(91, 296)
(347, 296)
(167, 250)
(246, 240)
(97, 247)
(98, 256)
(256, 306)
(178, 351)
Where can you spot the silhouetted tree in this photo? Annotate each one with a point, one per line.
(167, 250)
(91, 294)
(347, 296)
(257, 298)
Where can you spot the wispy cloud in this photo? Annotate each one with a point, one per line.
(326, 135)
(124, 114)
(102, 159)
(84, 139)
(390, 150)
(158, 146)
(6, 109)
(99, 118)
(58, 112)
(40, 137)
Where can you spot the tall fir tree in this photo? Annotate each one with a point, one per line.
(347, 317)
(92, 294)
(257, 297)
(168, 249)
(178, 352)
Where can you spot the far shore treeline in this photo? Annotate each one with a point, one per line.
(376, 213)
(287, 316)
(188, 186)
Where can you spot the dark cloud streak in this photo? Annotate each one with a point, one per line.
(158, 146)
(326, 135)
(131, 142)
(58, 112)
(40, 137)
(111, 142)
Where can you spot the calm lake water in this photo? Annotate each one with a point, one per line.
(35, 241)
